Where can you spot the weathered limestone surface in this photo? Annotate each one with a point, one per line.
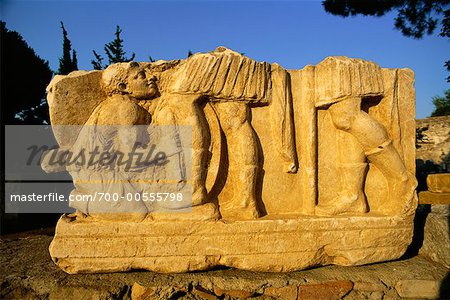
(436, 240)
(439, 183)
(434, 198)
(434, 139)
(269, 245)
(72, 99)
(289, 168)
(438, 189)
(27, 272)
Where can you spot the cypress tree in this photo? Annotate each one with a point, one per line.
(68, 62)
(74, 60)
(97, 63)
(114, 49)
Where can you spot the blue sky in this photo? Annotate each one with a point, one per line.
(292, 33)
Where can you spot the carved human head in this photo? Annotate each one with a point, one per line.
(129, 78)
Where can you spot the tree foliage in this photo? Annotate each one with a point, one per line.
(441, 105)
(24, 77)
(97, 63)
(415, 18)
(68, 62)
(114, 51)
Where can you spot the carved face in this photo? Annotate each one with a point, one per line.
(140, 86)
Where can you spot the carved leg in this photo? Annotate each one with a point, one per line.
(400, 182)
(200, 145)
(241, 141)
(375, 141)
(199, 172)
(351, 196)
(352, 170)
(187, 110)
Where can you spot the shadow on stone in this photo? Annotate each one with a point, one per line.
(419, 224)
(444, 290)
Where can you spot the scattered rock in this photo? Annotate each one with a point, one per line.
(436, 240)
(139, 292)
(439, 183)
(428, 289)
(241, 294)
(369, 286)
(283, 293)
(203, 293)
(326, 290)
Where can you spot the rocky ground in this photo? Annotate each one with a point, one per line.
(27, 272)
(433, 139)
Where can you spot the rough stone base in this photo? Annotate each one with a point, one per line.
(269, 245)
(27, 272)
(434, 198)
(436, 239)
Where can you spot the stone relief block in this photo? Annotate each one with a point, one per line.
(288, 169)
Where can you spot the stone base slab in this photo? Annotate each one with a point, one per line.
(436, 237)
(267, 244)
(439, 183)
(434, 198)
(27, 272)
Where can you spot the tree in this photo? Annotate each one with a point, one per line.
(74, 60)
(415, 18)
(24, 77)
(441, 105)
(68, 62)
(114, 51)
(97, 63)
